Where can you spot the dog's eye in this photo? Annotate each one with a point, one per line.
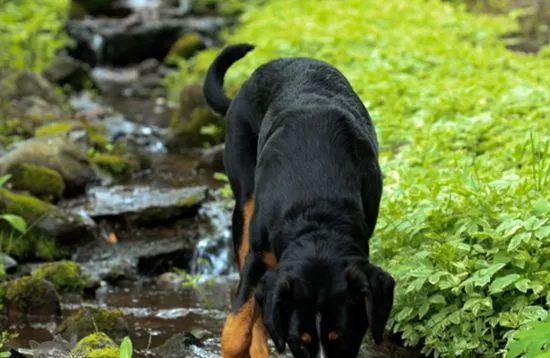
(333, 336)
(306, 338)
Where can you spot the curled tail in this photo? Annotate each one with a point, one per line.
(213, 83)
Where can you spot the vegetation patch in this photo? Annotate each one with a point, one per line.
(64, 275)
(31, 32)
(462, 122)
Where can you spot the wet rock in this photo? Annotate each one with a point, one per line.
(65, 70)
(89, 320)
(31, 296)
(66, 226)
(143, 204)
(64, 275)
(149, 66)
(31, 84)
(124, 261)
(119, 43)
(97, 345)
(40, 181)
(115, 81)
(178, 345)
(57, 153)
(8, 263)
(170, 280)
(148, 138)
(36, 108)
(57, 347)
(212, 158)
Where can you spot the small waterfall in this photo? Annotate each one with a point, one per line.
(213, 252)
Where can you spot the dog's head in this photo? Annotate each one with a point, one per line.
(350, 297)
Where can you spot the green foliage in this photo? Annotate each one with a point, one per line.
(31, 32)
(533, 340)
(126, 348)
(463, 129)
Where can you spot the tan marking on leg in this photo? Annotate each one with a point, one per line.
(237, 332)
(259, 348)
(248, 210)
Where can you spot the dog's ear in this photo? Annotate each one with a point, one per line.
(277, 299)
(377, 288)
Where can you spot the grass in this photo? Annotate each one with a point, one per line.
(463, 128)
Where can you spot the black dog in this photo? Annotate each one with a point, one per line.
(301, 155)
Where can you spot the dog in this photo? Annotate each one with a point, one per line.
(301, 156)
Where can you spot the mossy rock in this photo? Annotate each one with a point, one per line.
(31, 246)
(115, 164)
(191, 133)
(186, 46)
(64, 275)
(60, 127)
(89, 320)
(26, 206)
(58, 153)
(96, 345)
(31, 295)
(42, 182)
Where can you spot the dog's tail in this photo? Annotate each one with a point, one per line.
(213, 83)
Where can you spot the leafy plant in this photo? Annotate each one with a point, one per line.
(31, 32)
(464, 146)
(126, 348)
(533, 340)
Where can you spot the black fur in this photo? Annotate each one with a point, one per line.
(300, 140)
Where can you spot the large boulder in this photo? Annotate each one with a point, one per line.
(30, 296)
(57, 153)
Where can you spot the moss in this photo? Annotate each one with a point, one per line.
(26, 292)
(115, 164)
(186, 46)
(93, 342)
(54, 128)
(96, 135)
(190, 200)
(23, 205)
(190, 134)
(111, 352)
(89, 320)
(64, 275)
(43, 182)
(31, 246)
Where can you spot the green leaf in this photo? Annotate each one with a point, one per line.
(16, 221)
(541, 207)
(4, 179)
(518, 239)
(499, 284)
(126, 348)
(523, 285)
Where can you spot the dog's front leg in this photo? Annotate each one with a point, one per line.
(237, 331)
